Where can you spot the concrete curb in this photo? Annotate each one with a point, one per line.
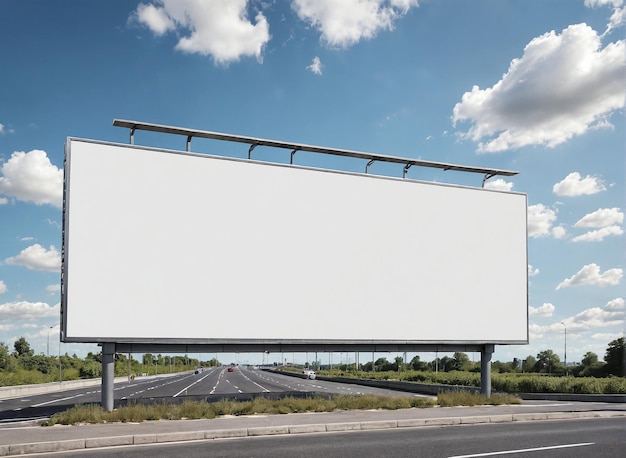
(140, 439)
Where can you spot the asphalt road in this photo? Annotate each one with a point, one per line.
(210, 384)
(600, 438)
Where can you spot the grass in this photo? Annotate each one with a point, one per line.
(509, 382)
(198, 410)
(464, 398)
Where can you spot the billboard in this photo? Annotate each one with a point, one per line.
(171, 247)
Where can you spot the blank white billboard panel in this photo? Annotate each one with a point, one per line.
(174, 247)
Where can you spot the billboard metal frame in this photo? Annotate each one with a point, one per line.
(110, 347)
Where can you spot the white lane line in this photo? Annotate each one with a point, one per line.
(250, 380)
(187, 387)
(524, 450)
(56, 400)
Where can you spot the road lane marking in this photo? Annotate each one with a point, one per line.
(57, 400)
(250, 380)
(189, 386)
(524, 450)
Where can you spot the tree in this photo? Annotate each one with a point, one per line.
(417, 365)
(382, 365)
(589, 366)
(548, 362)
(460, 362)
(5, 361)
(22, 347)
(90, 369)
(445, 363)
(589, 359)
(615, 358)
(528, 365)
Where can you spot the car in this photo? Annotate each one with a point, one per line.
(309, 374)
(231, 369)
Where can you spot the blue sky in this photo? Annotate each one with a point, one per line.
(532, 86)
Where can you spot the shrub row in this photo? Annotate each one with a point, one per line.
(197, 410)
(509, 383)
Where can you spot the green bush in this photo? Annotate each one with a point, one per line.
(195, 410)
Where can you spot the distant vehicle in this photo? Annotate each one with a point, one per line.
(309, 374)
(231, 369)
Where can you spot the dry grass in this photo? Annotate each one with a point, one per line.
(197, 409)
(260, 405)
(465, 398)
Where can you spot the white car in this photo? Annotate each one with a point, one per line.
(309, 374)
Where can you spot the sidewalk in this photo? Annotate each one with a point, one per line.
(20, 439)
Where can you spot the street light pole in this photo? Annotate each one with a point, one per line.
(48, 348)
(565, 353)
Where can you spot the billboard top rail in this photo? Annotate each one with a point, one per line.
(295, 147)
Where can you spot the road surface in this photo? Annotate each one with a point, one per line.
(209, 384)
(600, 438)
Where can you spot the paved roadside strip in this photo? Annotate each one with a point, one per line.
(38, 439)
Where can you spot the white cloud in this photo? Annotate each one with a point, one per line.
(559, 232)
(155, 18)
(613, 3)
(590, 275)
(619, 13)
(595, 317)
(588, 319)
(607, 219)
(546, 310)
(535, 331)
(532, 272)
(540, 220)
(1, 129)
(561, 86)
(27, 310)
(36, 257)
(53, 289)
(499, 185)
(615, 304)
(4, 201)
(606, 337)
(346, 22)
(618, 18)
(3, 287)
(602, 217)
(30, 177)
(316, 66)
(218, 28)
(599, 234)
(574, 185)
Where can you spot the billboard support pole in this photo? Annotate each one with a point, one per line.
(108, 375)
(485, 370)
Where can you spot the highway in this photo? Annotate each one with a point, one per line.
(209, 384)
(600, 438)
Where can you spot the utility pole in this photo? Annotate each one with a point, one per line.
(565, 353)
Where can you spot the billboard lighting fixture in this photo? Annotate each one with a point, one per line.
(254, 142)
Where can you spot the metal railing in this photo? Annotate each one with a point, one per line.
(295, 147)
